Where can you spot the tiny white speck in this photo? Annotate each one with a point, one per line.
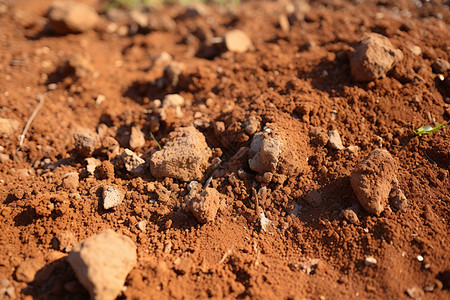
(419, 257)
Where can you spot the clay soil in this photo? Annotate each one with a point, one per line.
(298, 83)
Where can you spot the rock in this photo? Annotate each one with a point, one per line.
(373, 179)
(440, 66)
(6, 290)
(252, 125)
(373, 57)
(8, 127)
(4, 157)
(70, 181)
(370, 260)
(65, 240)
(265, 153)
(204, 204)
(416, 50)
(172, 73)
(132, 162)
(184, 156)
(27, 270)
(350, 215)
(284, 22)
(92, 164)
(137, 138)
(110, 147)
(111, 197)
(265, 177)
(397, 199)
(314, 198)
(86, 141)
(264, 222)
(237, 41)
(319, 137)
(80, 66)
(102, 263)
(352, 149)
(334, 140)
(71, 17)
(415, 293)
(171, 102)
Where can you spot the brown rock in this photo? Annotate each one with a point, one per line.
(350, 215)
(204, 205)
(111, 197)
(334, 140)
(70, 181)
(66, 240)
(71, 17)
(373, 57)
(237, 41)
(102, 263)
(27, 270)
(373, 179)
(184, 156)
(131, 161)
(79, 65)
(8, 127)
(105, 170)
(86, 141)
(266, 151)
(440, 66)
(137, 139)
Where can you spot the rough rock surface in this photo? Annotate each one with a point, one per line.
(102, 263)
(27, 270)
(184, 156)
(334, 140)
(204, 204)
(265, 153)
(111, 197)
(131, 161)
(71, 17)
(86, 141)
(373, 57)
(137, 138)
(373, 180)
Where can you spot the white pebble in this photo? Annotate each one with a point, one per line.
(370, 260)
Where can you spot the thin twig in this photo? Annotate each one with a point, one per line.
(33, 115)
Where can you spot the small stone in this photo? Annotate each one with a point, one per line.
(265, 178)
(110, 147)
(373, 179)
(350, 215)
(173, 71)
(265, 152)
(142, 225)
(204, 204)
(370, 260)
(172, 102)
(4, 157)
(66, 240)
(92, 164)
(416, 50)
(27, 270)
(137, 138)
(6, 290)
(252, 125)
(440, 66)
(70, 181)
(8, 127)
(415, 293)
(139, 18)
(373, 57)
(102, 263)
(314, 198)
(352, 149)
(71, 17)
(237, 41)
(86, 141)
(111, 197)
(162, 59)
(131, 161)
(334, 140)
(80, 66)
(185, 155)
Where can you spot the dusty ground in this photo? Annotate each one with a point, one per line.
(295, 80)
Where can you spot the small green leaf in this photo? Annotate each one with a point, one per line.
(427, 129)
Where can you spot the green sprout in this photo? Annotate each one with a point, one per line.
(427, 129)
(153, 137)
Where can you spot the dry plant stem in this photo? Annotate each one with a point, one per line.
(30, 120)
